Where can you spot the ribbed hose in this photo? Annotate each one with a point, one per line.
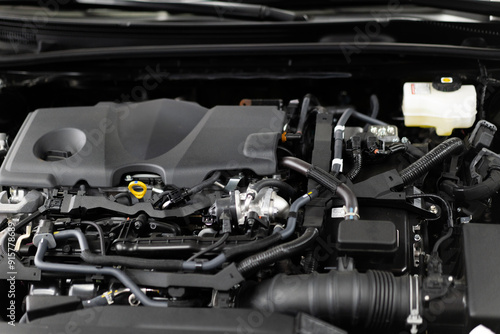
(357, 164)
(280, 252)
(374, 301)
(432, 159)
(252, 247)
(266, 242)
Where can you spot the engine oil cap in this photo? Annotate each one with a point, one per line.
(134, 187)
(447, 84)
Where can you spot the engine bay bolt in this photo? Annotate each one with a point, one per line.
(417, 237)
(459, 209)
(450, 278)
(433, 209)
(128, 178)
(427, 298)
(67, 249)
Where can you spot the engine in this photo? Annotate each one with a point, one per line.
(340, 218)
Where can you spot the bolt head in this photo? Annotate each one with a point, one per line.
(450, 278)
(427, 298)
(417, 237)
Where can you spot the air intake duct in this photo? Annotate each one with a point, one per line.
(375, 300)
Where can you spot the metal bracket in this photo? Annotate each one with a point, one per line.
(414, 319)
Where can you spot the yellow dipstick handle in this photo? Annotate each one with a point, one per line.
(136, 184)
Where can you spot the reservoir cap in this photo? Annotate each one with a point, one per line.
(447, 84)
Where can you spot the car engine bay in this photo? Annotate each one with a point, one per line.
(328, 207)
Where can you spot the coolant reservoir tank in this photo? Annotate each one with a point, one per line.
(444, 104)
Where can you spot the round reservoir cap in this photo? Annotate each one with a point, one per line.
(447, 84)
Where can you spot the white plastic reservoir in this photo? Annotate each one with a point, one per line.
(448, 107)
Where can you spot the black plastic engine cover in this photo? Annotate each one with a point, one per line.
(180, 141)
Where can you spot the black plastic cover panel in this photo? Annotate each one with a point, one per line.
(482, 266)
(181, 141)
(367, 235)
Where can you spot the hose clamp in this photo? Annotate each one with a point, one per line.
(109, 297)
(339, 128)
(350, 215)
(198, 265)
(338, 161)
(414, 319)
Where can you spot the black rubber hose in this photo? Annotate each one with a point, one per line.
(338, 136)
(374, 301)
(357, 115)
(414, 151)
(300, 166)
(102, 242)
(432, 159)
(480, 191)
(206, 183)
(123, 195)
(374, 105)
(283, 251)
(357, 164)
(85, 269)
(306, 102)
(210, 248)
(267, 242)
(299, 203)
(327, 180)
(438, 243)
(133, 262)
(100, 300)
(282, 186)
